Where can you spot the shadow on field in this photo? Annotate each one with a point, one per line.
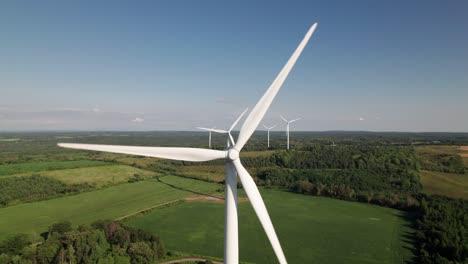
(409, 238)
(187, 190)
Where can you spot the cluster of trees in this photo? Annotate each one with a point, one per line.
(105, 242)
(36, 187)
(442, 162)
(442, 230)
(386, 176)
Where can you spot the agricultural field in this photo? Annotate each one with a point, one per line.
(100, 176)
(19, 168)
(9, 139)
(444, 170)
(310, 228)
(448, 184)
(463, 152)
(109, 203)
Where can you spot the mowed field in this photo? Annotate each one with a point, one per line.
(441, 183)
(109, 203)
(311, 230)
(100, 176)
(464, 154)
(10, 169)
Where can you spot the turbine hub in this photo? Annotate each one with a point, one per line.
(233, 154)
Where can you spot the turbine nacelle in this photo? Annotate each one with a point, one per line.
(232, 154)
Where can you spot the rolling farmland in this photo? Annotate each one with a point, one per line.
(449, 184)
(309, 227)
(109, 203)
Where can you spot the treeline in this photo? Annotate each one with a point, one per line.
(104, 242)
(386, 176)
(387, 158)
(352, 185)
(442, 234)
(35, 187)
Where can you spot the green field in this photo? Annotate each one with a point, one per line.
(110, 203)
(101, 175)
(449, 184)
(9, 169)
(311, 230)
(9, 139)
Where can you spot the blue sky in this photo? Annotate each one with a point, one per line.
(174, 65)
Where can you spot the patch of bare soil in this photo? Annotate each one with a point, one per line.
(465, 148)
(215, 199)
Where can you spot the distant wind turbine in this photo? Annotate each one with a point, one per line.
(268, 129)
(209, 134)
(287, 127)
(230, 139)
(233, 165)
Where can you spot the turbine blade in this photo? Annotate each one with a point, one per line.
(219, 131)
(204, 128)
(254, 118)
(265, 127)
(273, 127)
(294, 120)
(284, 119)
(259, 206)
(237, 120)
(232, 139)
(186, 154)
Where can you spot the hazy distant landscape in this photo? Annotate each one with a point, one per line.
(377, 180)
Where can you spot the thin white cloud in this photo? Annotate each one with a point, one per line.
(138, 120)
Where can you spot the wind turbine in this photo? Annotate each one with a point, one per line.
(230, 139)
(287, 127)
(233, 164)
(268, 129)
(209, 134)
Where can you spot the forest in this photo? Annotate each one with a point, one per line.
(104, 242)
(35, 187)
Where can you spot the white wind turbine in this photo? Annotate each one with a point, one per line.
(209, 134)
(230, 139)
(287, 127)
(233, 165)
(268, 129)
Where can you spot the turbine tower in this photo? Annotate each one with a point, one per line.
(268, 129)
(287, 127)
(233, 164)
(230, 139)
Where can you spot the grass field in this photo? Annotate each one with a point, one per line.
(109, 203)
(215, 173)
(101, 175)
(311, 230)
(9, 139)
(9, 169)
(449, 184)
(464, 154)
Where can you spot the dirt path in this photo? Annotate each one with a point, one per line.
(187, 260)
